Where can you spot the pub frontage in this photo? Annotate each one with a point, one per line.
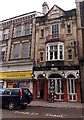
(57, 83)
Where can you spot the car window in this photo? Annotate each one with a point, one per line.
(15, 91)
(7, 92)
(25, 91)
(1, 91)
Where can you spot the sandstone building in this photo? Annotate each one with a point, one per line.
(80, 33)
(40, 51)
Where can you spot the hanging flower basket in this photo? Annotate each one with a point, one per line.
(78, 79)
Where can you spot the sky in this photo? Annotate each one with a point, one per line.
(12, 8)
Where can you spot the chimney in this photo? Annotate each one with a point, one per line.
(45, 8)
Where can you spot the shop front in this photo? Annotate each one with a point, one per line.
(17, 79)
(59, 84)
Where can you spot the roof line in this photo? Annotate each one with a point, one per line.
(17, 16)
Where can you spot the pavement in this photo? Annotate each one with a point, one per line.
(41, 103)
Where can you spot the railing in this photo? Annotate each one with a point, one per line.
(55, 38)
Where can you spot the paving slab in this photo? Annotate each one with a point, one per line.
(56, 104)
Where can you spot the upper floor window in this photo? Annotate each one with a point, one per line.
(18, 31)
(16, 51)
(55, 30)
(68, 29)
(2, 52)
(41, 56)
(55, 51)
(61, 51)
(5, 34)
(42, 33)
(69, 54)
(25, 50)
(26, 28)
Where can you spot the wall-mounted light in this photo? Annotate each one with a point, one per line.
(77, 74)
(63, 74)
(32, 75)
(44, 74)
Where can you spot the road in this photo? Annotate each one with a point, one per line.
(42, 112)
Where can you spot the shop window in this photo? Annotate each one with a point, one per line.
(41, 56)
(5, 34)
(69, 54)
(68, 29)
(16, 51)
(18, 31)
(26, 28)
(71, 86)
(25, 50)
(42, 33)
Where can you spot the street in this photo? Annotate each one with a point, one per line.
(43, 112)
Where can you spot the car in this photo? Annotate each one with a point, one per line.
(14, 97)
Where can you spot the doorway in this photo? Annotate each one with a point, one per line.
(40, 88)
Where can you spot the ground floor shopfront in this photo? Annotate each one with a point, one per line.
(16, 79)
(57, 85)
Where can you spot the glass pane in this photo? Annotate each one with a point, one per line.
(25, 50)
(16, 51)
(55, 55)
(51, 55)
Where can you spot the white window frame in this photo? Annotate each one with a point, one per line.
(58, 51)
(71, 93)
(68, 29)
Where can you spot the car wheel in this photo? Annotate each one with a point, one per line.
(11, 105)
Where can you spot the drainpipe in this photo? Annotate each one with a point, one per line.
(77, 36)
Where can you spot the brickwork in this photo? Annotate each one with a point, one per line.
(46, 90)
(35, 90)
(78, 91)
(65, 91)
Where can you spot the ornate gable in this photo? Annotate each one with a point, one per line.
(55, 12)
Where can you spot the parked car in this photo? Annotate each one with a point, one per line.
(14, 97)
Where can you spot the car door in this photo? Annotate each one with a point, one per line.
(6, 96)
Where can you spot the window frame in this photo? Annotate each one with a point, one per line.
(42, 33)
(18, 30)
(5, 33)
(15, 53)
(69, 54)
(54, 58)
(27, 28)
(68, 28)
(25, 50)
(41, 56)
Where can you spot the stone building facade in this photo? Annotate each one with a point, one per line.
(56, 56)
(80, 32)
(40, 51)
(17, 38)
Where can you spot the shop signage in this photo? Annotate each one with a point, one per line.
(9, 75)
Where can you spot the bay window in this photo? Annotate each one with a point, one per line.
(55, 51)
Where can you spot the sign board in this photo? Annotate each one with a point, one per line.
(10, 75)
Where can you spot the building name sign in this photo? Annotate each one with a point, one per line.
(10, 75)
(54, 69)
